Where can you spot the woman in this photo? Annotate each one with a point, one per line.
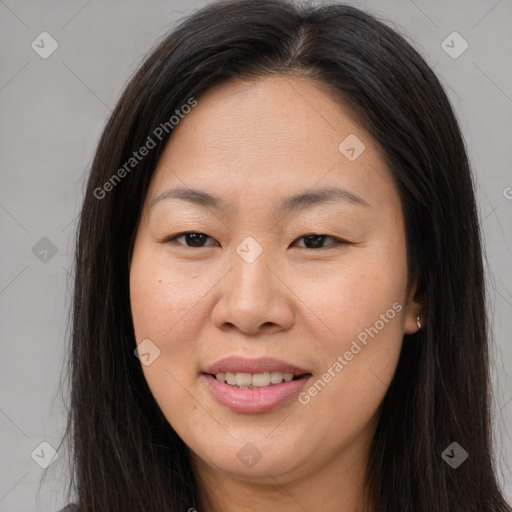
(279, 294)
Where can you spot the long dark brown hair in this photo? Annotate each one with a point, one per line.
(125, 455)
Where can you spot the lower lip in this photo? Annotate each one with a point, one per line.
(254, 400)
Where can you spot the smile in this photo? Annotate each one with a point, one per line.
(254, 385)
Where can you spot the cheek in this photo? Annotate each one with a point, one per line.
(362, 310)
(167, 309)
(161, 296)
(161, 301)
(356, 292)
(353, 386)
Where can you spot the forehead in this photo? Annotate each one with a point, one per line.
(271, 136)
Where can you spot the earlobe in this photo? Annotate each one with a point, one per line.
(414, 319)
(413, 322)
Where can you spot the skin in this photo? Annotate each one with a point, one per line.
(254, 143)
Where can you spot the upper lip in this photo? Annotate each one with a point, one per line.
(235, 364)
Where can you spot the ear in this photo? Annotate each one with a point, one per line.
(413, 310)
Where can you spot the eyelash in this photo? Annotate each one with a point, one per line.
(337, 241)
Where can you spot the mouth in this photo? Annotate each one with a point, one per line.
(254, 385)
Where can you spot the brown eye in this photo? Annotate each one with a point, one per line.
(317, 241)
(191, 239)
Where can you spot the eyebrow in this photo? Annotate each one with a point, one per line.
(300, 201)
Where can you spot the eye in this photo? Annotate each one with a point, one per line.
(196, 239)
(316, 241)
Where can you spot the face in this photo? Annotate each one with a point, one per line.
(300, 304)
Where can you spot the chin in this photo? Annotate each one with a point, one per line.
(260, 461)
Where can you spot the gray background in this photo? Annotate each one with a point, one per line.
(53, 111)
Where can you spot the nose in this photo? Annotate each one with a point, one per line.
(254, 298)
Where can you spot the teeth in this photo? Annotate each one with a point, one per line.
(256, 380)
(243, 379)
(261, 380)
(276, 377)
